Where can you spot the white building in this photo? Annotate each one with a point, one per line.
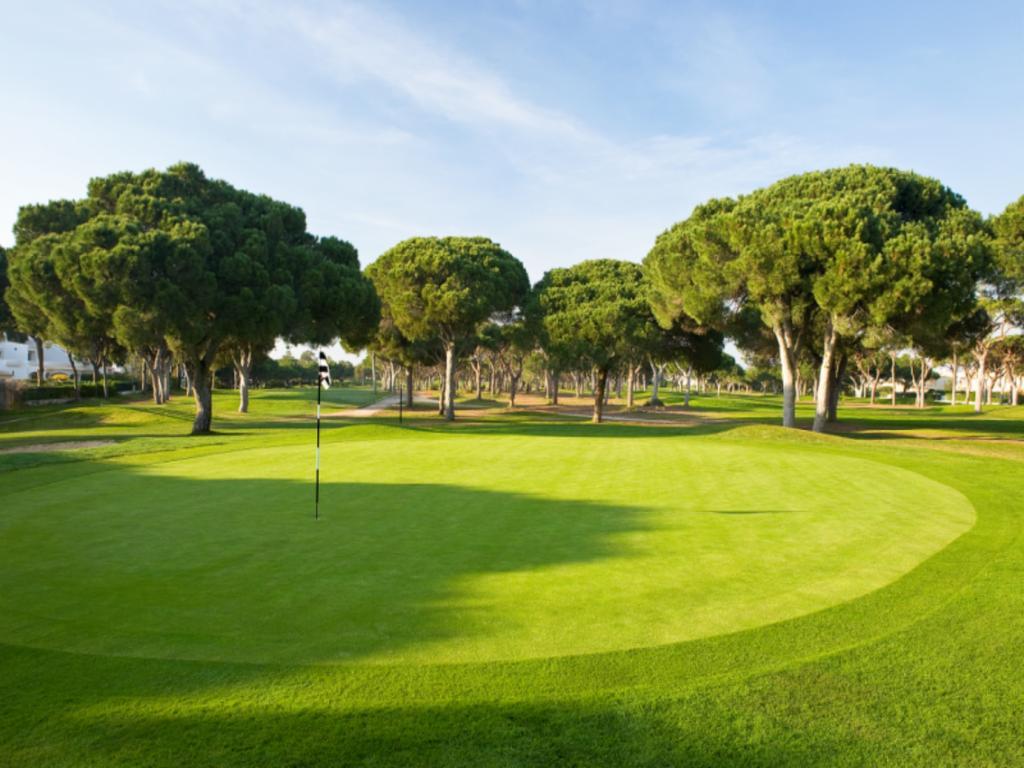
(18, 360)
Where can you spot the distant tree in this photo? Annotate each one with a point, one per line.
(445, 288)
(515, 341)
(1008, 359)
(596, 314)
(486, 345)
(1000, 289)
(694, 349)
(729, 372)
(33, 222)
(388, 343)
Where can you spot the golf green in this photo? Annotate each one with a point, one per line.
(455, 546)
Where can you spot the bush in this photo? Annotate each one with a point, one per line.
(62, 391)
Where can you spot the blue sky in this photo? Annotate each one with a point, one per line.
(563, 130)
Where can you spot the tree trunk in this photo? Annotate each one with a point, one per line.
(40, 366)
(74, 372)
(787, 358)
(835, 387)
(189, 391)
(821, 406)
(892, 362)
(630, 376)
(449, 381)
(513, 385)
(154, 381)
(655, 383)
(103, 368)
(203, 394)
(478, 374)
(981, 356)
(925, 370)
(601, 384)
(956, 377)
(243, 367)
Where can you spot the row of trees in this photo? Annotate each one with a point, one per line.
(174, 266)
(831, 266)
(826, 276)
(464, 299)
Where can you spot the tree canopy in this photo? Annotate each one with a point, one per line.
(444, 288)
(597, 314)
(826, 256)
(172, 261)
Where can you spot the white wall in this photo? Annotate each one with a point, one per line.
(18, 360)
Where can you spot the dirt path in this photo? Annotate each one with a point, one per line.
(68, 445)
(385, 404)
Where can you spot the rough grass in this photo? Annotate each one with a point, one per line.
(512, 592)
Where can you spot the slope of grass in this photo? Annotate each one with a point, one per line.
(510, 593)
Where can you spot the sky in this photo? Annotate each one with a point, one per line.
(562, 130)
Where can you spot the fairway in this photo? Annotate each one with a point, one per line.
(440, 547)
(514, 589)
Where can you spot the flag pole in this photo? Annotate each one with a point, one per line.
(323, 378)
(316, 514)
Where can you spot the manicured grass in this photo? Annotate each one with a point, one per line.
(511, 591)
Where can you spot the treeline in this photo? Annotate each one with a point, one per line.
(181, 272)
(842, 270)
(465, 302)
(290, 371)
(831, 278)
(827, 281)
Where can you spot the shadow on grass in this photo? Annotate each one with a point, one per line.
(525, 425)
(114, 712)
(237, 569)
(960, 426)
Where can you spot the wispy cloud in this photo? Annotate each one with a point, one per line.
(381, 129)
(359, 42)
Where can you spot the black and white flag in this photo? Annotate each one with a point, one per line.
(325, 372)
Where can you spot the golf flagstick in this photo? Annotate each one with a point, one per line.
(323, 381)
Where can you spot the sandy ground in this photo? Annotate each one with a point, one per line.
(386, 404)
(70, 445)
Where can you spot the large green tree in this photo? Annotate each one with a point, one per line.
(444, 289)
(172, 261)
(829, 254)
